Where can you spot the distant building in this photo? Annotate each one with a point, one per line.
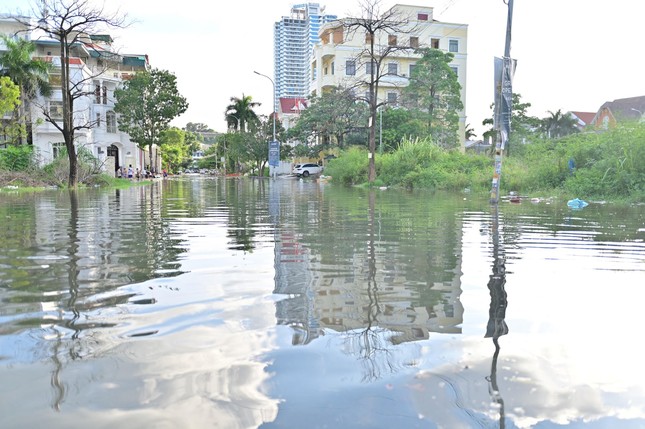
(339, 58)
(620, 110)
(294, 38)
(583, 119)
(290, 109)
(99, 70)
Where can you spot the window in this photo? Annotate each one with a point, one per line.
(104, 94)
(369, 67)
(332, 67)
(97, 94)
(414, 42)
(368, 38)
(434, 43)
(350, 67)
(412, 66)
(55, 77)
(98, 120)
(110, 122)
(58, 150)
(391, 40)
(392, 98)
(422, 16)
(56, 110)
(453, 46)
(393, 68)
(455, 70)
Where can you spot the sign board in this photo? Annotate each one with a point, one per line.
(274, 153)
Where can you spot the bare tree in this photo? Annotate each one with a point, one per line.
(382, 31)
(70, 22)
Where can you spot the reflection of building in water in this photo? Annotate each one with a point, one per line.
(415, 288)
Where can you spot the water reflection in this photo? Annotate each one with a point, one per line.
(294, 304)
(372, 280)
(496, 326)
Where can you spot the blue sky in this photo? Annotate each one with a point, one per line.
(572, 55)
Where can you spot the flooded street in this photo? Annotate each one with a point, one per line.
(232, 303)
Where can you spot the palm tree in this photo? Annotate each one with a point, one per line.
(469, 132)
(31, 75)
(559, 125)
(240, 112)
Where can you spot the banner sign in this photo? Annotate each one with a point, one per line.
(274, 153)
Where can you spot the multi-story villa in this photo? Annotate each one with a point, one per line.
(294, 38)
(98, 70)
(339, 59)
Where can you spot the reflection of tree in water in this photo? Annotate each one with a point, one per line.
(245, 213)
(383, 279)
(74, 331)
(372, 344)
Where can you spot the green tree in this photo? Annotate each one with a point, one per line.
(9, 95)
(67, 22)
(146, 104)
(30, 74)
(239, 114)
(435, 91)
(522, 124)
(376, 26)
(330, 117)
(255, 144)
(469, 132)
(174, 149)
(11, 131)
(399, 125)
(558, 125)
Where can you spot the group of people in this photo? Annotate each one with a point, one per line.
(135, 173)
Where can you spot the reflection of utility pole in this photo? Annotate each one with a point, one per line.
(497, 312)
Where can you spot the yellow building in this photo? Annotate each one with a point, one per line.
(341, 57)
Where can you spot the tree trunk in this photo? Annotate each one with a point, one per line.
(371, 172)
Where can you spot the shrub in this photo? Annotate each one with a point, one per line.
(17, 158)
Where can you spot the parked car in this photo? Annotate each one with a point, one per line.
(305, 170)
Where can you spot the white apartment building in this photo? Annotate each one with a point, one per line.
(339, 57)
(294, 38)
(99, 70)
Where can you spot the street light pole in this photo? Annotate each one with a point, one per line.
(273, 114)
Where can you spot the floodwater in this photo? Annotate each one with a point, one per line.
(233, 303)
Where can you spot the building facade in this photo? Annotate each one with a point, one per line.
(339, 59)
(294, 38)
(97, 71)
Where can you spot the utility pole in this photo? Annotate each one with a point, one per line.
(503, 104)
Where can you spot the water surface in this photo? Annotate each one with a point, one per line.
(233, 303)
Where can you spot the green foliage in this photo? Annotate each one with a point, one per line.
(435, 92)
(240, 114)
(415, 164)
(58, 170)
(146, 105)
(17, 158)
(9, 95)
(30, 74)
(174, 150)
(350, 168)
(400, 124)
(330, 118)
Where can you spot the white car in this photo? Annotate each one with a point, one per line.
(305, 170)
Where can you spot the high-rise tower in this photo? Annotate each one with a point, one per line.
(294, 38)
